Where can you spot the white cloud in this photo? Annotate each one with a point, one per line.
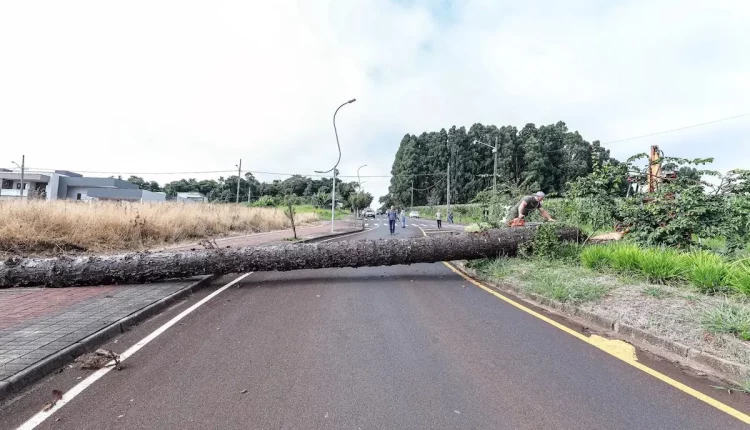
(183, 86)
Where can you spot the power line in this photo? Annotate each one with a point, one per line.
(257, 172)
(676, 129)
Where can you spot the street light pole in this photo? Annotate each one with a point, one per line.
(333, 194)
(23, 168)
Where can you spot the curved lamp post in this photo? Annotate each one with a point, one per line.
(333, 195)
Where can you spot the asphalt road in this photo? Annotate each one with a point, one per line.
(406, 347)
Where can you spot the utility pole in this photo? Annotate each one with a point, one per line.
(411, 208)
(494, 176)
(333, 200)
(23, 168)
(448, 190)
(448, 176)
(239, 174)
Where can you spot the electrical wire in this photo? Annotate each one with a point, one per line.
(676, 129)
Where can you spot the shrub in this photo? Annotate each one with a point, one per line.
(546, 243)
(707, 271)
(265, 201)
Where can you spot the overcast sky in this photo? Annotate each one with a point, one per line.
(178, 86)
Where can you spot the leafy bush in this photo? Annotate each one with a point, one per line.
(546, 243)
(728, 318)
(265, 201)
(707, 271)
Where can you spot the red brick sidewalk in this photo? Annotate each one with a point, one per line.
(38, 324)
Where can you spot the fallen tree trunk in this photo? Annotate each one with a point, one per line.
(157, 266)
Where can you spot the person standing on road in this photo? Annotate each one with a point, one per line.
(403, 218)
(392, 217)
(526, 206)
(450, 217)
(439, 218)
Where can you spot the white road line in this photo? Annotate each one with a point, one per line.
(377, 225)
(367, 224)
(78, 389)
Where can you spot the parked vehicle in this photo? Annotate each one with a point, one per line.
(381, 212)
(368, 213)
(413, 214)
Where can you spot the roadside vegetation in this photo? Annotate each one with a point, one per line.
(681, 270)
(52, 227)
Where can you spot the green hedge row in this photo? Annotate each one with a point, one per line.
(707, 271)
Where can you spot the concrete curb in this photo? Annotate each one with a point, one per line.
(329, 236)
(727, 370)
(51, 363)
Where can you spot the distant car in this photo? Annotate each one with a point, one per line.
(413, 214)
(368, 213)
(380, 212)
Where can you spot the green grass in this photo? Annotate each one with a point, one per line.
(596, 257)
(707, 271)
(558, 285)
(655, 292)
(738, 276)
(555, 279)
(626, 257)
(661, 266)
(728, 318)
(324, 214)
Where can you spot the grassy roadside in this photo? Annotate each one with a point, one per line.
(42, 227)
(713, 320)
(323, 214)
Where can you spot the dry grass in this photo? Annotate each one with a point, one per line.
(45, 227)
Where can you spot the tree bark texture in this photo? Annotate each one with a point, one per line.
(141, 267)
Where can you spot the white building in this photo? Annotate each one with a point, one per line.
(191, 197)
(62, 184)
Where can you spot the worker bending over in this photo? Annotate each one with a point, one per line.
(526, 206)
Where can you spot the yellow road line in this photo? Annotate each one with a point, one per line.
(617, 348)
